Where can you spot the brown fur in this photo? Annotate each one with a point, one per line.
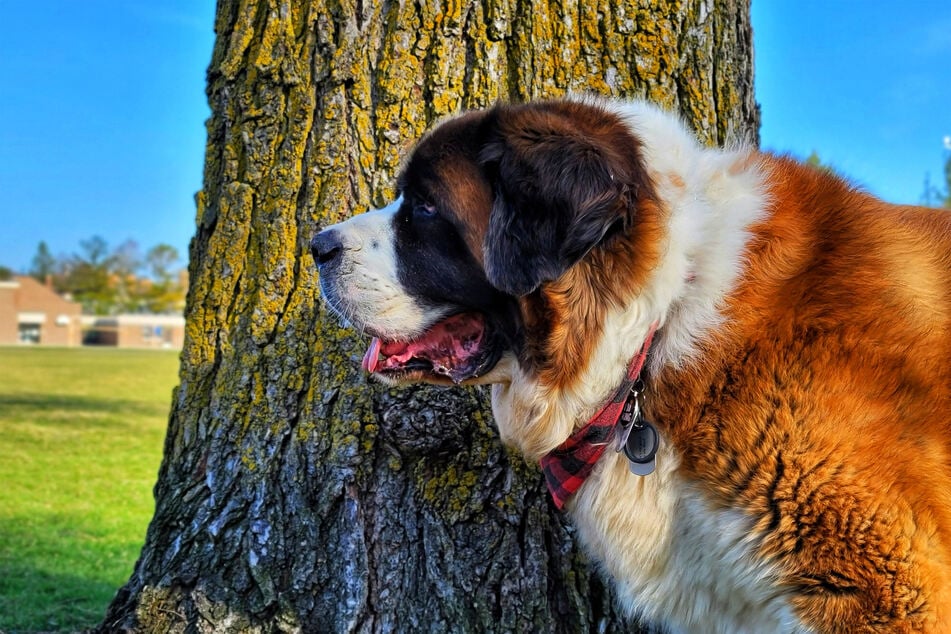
(576, 302)
(823, 409)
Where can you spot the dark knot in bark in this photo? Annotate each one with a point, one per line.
(430, 421)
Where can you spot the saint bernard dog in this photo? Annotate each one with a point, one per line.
(776, 342)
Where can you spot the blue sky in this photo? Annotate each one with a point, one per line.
(102, 108)
(101, 123)
(867, 85)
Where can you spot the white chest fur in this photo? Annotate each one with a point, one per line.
(675, 559)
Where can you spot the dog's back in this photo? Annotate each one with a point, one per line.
(823, 403)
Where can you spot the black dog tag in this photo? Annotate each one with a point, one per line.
(641, 447)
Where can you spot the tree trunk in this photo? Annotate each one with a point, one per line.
(293, 495)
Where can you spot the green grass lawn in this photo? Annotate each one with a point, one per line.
(81, 434)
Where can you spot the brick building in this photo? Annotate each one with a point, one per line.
(135, 331)
(32, 313)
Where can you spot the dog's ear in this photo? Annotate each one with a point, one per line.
(560, 185)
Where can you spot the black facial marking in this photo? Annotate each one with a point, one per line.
(434, 264)
(565, 176)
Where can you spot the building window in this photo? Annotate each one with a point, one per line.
(29, 333)
(151, 333)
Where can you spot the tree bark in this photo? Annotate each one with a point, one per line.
(293, 495)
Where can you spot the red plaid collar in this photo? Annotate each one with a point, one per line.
(569, 464)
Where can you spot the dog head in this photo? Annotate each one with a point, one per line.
(498, 211)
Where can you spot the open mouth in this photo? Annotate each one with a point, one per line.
(457, 347)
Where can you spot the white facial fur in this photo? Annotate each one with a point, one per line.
(365, 290)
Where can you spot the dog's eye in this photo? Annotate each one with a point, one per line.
(424, 210)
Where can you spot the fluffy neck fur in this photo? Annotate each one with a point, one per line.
(710, 197)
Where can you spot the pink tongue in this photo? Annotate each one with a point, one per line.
(449, 346)
(372, 358)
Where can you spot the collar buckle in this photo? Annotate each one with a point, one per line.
(631, 416)
(638, 437)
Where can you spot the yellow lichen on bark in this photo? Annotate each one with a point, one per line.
(242, 33)
(450, 491)
(158, 610)
(214, 285)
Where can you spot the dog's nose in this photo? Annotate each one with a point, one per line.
(326, 246)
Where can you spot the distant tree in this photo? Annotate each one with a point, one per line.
(87, 277)
(947, 176)
(95, 251)
(108, 281)
(6, 274)
(161, 261)
(165, 294)
(126, 259)
(933, 195)
(815, 161)
(43, 266)
(127, 288)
